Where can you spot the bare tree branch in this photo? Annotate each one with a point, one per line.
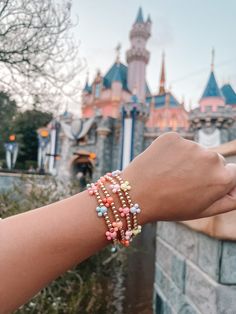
(38, 54)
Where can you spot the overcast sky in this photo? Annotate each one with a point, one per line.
(185, 29)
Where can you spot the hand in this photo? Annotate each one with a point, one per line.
(177, 179)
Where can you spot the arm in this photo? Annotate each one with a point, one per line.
(174, 179)
(39, 245)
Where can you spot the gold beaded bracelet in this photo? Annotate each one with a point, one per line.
(127, 208)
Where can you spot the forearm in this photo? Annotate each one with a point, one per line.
(39, 245)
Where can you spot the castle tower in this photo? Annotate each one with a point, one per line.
(138, 55)
(212, 121)
(166, 112)
(212, 95)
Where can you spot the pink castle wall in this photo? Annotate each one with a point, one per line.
(168, 117)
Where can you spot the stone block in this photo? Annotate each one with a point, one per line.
(161, 306)
(200, 289)
(163, 255)
(168, 288)
(209, 253)
(178, 271)
(187, 309)
(167, 231)
(186, 242)
(171, 261)
(226, 299)
(228, 263)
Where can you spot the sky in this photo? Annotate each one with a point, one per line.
(186, 30)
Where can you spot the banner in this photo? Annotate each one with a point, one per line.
(209, 140)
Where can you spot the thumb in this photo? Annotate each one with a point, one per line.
(223, 205)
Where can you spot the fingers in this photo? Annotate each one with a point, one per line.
(227, 202)
(231, 173)
(223, 205)
(222, 159)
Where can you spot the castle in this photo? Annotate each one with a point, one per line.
(119, 113)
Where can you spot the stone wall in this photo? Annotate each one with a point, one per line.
(8, 181)
(193, 273)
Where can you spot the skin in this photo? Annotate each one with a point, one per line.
(174, 179)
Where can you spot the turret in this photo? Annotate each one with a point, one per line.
(87, 88)
(211, 123)
(138, 55)
(116, 85)
(212, 95)
(116, 81)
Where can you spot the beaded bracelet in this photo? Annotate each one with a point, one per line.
(124, 210)
(134, 208)
(109, 202)
(106, 208)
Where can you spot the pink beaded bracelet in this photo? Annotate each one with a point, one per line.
(106, 208)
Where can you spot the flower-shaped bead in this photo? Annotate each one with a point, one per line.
(115, 188)
(128, 234)
(92, 189)
(111, 235)
(137, 230)
(101, 210)
(115, 173)
(124, 211)
(107, 201)
(117, 225)
(135, 209)
(125, 186)
(125, 242)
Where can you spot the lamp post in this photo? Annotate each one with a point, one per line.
(43, 140)
(11, 149)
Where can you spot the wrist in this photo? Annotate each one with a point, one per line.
(139, 194)
(115, 205)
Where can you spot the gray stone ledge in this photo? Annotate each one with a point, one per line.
(228, 263)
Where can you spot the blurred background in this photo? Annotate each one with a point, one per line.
(85, 86)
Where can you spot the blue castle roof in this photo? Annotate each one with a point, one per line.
(229, 94)
(212, 89)
(161, 100)
(87, 88)
(139, 18)
(118, 72)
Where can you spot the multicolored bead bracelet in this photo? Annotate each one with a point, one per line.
(113, 212)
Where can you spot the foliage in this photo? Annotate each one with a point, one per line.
(86, 289)
(25, 127)
(38, 54)
(8, 109)
(24, 124)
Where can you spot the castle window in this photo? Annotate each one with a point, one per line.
(97, 90)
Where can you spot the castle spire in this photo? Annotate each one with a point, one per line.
(162, 89)
(212, 94)
(149, 19)
(86, 86)
(139, 18)
(212, 59)
(138, 56)
(118, 49)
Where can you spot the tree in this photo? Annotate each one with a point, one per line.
(8, 110)
(25, 127)
(38, 55)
